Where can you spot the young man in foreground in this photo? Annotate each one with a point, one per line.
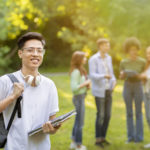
(40, 99)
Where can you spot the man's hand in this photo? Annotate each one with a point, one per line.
(107, 77)
(48, 128)
(18, 89)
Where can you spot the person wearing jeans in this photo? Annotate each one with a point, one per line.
(133, 92)
(130, 69)
(103, 113)
(103, 83)
(78, 101)
(145, 76)
(79, 86)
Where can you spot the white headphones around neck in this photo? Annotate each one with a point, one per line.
(29, 79)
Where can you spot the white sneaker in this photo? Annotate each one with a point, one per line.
(73, 145)
(147, 146)
(81, 148)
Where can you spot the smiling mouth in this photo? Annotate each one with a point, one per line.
(35, 61)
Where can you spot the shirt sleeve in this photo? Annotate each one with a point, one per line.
(93, 70)
(3, 88)
(75, 80)
(53, 100)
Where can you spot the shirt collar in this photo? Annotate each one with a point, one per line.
(99, 54)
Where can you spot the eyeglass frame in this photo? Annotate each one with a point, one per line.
(34, 49)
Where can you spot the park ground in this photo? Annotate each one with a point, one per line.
(117, 129)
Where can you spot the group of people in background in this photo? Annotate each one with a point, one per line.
(134, 70)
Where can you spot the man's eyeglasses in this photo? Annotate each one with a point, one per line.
(32, 50)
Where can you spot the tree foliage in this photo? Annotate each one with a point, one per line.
(15, 18)
(70, 25)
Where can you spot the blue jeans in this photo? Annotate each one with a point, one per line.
(103, 106)
(147, 107)
(78, 101)
(133, 92)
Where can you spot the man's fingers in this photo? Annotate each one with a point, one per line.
(19, 86)
(58, 126)
(18, 89)
(48, 128)
(45, 128)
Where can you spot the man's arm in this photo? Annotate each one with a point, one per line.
(6, 102)
(92, 70)
(17, 91)
(47, 127)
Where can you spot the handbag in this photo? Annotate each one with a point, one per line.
(4, 131)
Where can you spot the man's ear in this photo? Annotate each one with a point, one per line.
(20, 53)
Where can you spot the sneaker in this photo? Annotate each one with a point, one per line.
(106, 142)
(129, 141)
(138, 141)
(147, 146)
(73, 145)
(82, 147)
(100, 144)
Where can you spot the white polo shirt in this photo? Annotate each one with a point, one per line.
(37, 105)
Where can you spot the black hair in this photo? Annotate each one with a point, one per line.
(132, 41)
(29, 36)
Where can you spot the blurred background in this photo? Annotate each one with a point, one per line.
(70, 25)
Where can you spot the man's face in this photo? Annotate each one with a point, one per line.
(105, 47)
(32, 54)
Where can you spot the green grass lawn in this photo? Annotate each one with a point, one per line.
(117, 129)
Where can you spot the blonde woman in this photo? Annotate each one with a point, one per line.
(79, 86)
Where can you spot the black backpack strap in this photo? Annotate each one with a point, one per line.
(17, 105)
(14, 112)
(12, 78)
